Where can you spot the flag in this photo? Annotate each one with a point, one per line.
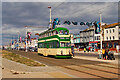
(20, 39)
(82, 23)
(97, 27)
(36, 33)
(67, 22)
(74, 23)
(28, 35)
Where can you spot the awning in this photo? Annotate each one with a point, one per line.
(93, 42)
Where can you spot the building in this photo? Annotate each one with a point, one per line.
(72, 40)
(76, 40)
(86, 36)
(111, 36)
(34, 42)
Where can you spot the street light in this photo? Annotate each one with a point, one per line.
(101, 30)
(50, 17)
(26, 39)
(18, 40)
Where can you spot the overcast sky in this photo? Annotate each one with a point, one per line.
(16, 15)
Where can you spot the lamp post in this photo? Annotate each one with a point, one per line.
(50, 17)
(26, 39)
(101, 31)
(18, 40)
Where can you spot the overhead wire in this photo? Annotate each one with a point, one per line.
(95, 10)
(80, 10)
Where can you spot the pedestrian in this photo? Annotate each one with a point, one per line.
(84, 49)
(106, 53)
(117, 47)
(72, 48)
(103, 53)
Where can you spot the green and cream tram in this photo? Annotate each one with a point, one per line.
(55, 42)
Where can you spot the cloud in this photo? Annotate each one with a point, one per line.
(16, 15)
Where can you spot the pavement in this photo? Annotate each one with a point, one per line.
(116, 61)
(22, 71)
(93, 52)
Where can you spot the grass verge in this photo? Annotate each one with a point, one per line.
(19, 58)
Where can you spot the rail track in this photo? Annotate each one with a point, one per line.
(93, 68)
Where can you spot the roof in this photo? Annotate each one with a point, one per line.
(104, 26)
(87, 30)
(111, 25)
(57, 29)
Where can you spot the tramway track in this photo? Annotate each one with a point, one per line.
(55, 62)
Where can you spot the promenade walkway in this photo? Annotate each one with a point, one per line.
(116, 61)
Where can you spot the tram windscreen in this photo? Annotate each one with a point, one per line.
(65, 44)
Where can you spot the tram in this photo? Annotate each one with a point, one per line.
(55, 42)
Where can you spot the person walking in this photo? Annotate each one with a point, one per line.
(84, 49)
(72, 48)
(106, 53)
(103, 53)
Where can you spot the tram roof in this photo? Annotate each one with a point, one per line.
(56, 29)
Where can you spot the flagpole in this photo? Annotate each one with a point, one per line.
(18, 41)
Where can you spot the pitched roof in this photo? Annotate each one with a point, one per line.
(111, 25)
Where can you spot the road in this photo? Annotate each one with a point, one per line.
(78, 67)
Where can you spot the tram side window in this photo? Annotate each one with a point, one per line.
(58, 45)
(61, 32)
(40, 45)
(54, 44)
(56, 32)
(67, 44)
(66, 32)
(64, 44)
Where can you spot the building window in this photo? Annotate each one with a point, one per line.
(107, 38)
(110, 45)
(115, 45)
(113, 37)
(110, 37)
(106, 31)
(95, 37)
(113, 30)
(110, 31)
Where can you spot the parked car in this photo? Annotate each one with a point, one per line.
(89, 48)
(81, 48)
(32, 49)
(36, 50)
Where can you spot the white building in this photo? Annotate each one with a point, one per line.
(112, 33)
(33, 43)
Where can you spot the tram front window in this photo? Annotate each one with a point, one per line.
(66, 32)
(65, 44)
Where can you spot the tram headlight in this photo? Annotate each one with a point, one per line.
(61, 52)
(69, 52)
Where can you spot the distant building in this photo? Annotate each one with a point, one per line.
(86, 36)
(72, 40)
(76, 40)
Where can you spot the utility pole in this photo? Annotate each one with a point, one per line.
(18, 41)
(101, 31)
(50, 17)
(26, 39)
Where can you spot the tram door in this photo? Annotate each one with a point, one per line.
(45, 50)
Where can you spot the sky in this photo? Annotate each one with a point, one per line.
(16, 15)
